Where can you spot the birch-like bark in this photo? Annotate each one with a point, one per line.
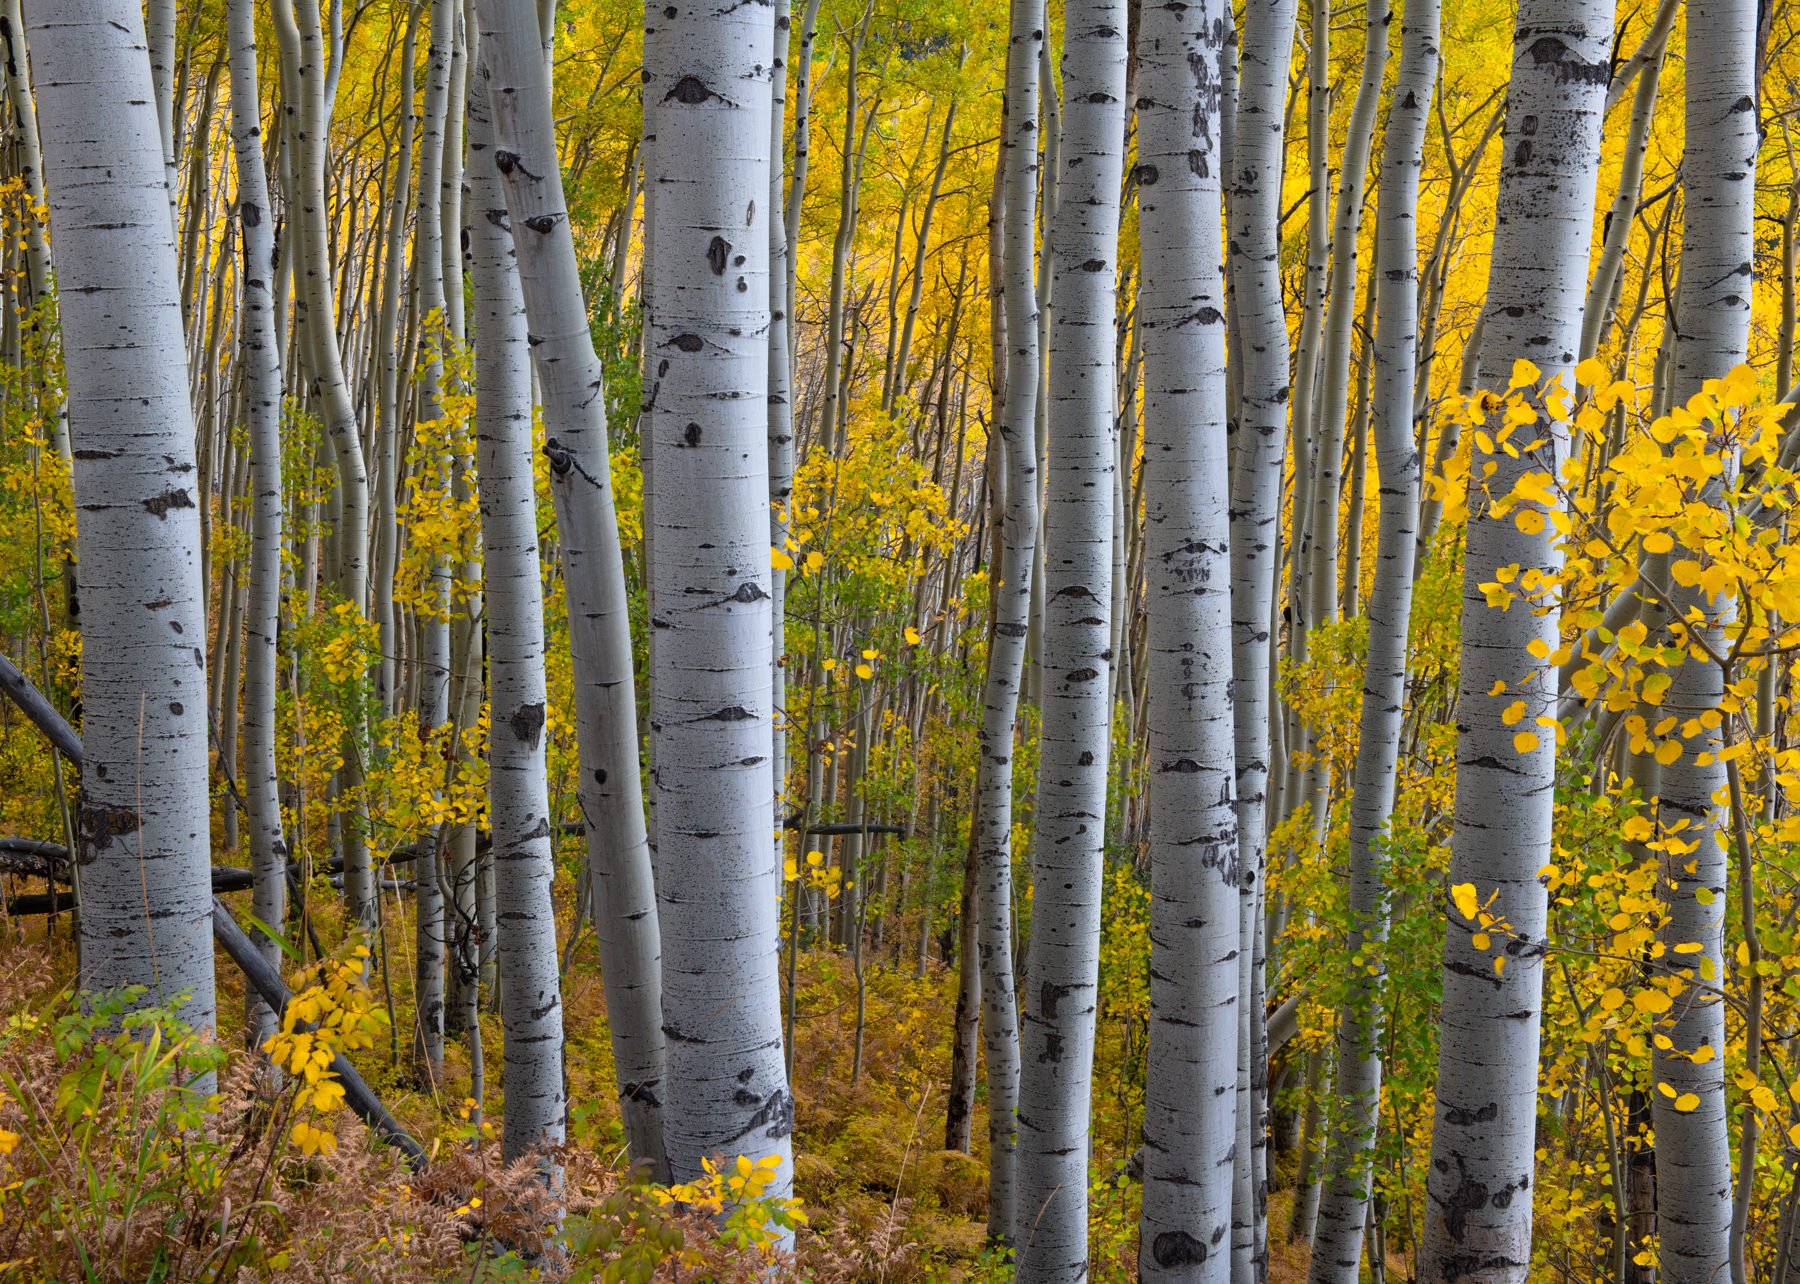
(1190, 1091)
(1012, 610)
(1258, 456)
(1068, 848)
(1340, 314)
(718, 894)
(1693, 1147)
(781, 421)
(518, 795)
(569, 375)
(1479, 1187)
(261, 356)
(146, 893)
(1344, 1209)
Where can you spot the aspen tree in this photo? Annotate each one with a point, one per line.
(569, 373)
(261, 357)
(1343, 1211)
(146, 913)
(1190, 1092)
(1017, 426)
(1479, 1185)
(1697, 1233)
(1055, 1090)
(718, 893)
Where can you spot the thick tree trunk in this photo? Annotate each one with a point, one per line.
(1056, 1085)
(624, 906)
(146, 883)
(1479, 1186)
(1344, 1210)
(1190, 1092)
(718, 892)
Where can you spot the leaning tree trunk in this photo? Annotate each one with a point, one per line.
(1697, 1236)
(1190, 1090)
(1479, 1185)
(1056, 1085)
(1343, 1213)
(1012, 611)
(261, 355)
(518, 795)
(146, 886)
(587, 535)
(718, 893)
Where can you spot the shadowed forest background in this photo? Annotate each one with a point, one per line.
(1078, 641)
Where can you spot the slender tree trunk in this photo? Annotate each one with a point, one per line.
(1697, 1233)
(1479, 1186)
(1190, 1092)
(518, 796)
(1068, 848)
(1012, 608)
(569, 373)
(1258, 455)
(717, 891)
(262, 368)
(1344, 1212)
(146, 896)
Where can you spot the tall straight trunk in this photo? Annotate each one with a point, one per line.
(569, 375)
(781, 424)
(1258, 456)
(1069, 846)
(1190, 1090)
(718, 893)
(518, 793)
(1698, 1234)
(1012, 609)
(1344, 1210)
(1340, 316)
(1479, 1185)
(29, 163)
(146, 896)
(262, 371)
(387, 406)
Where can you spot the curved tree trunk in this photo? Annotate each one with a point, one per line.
(1190, 1091)
(146, 885)
(718, 893)
(262, 375)
(1344, 1210)
(1067, 851)
(624, 905)
(1479, 1186)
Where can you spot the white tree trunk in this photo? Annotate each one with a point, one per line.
(1190, 1092)
(1055, 1089)
(718, 893)
(569, 374)
(1017, 423)
(1479, 1186)
(1693, 1148)
(1344, 1210)
(518, 797)
(261, 355)
(146, 910)
(1258, 455)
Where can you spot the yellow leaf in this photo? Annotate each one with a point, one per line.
(1592, 373)
(1524, 374)
(1651, 1002)
(1658, 542)
(780, 560)
(1463, 897)
(1479, 940)
(814, 560)
(912, 636)
(1686, 1102)
(1612, 1000)
(1637, 829)
(1525, 742)
(1668, 752)
(864, 672)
